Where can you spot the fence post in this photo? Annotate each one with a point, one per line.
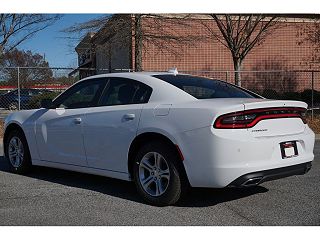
(227, 76)
(312, 93)
(19, 99)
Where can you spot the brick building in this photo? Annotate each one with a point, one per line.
(283, 50)
(86, 55)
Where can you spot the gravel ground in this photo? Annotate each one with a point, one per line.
(56, 197)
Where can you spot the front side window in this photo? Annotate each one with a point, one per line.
(122, 91)
(204, 88)
(25, 92)
(22, 92)
(82, 95)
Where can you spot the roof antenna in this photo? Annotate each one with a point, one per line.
(173, 70)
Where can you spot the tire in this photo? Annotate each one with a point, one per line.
(13, 106)
(16, 145)
(163, 183)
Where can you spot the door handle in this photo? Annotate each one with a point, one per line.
(77, 120)
(129, 116)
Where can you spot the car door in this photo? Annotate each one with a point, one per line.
(110, 128)
(59, 130)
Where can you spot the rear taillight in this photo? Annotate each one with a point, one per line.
(249, 118)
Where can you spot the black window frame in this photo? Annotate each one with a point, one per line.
(75, 88)
(108, 87)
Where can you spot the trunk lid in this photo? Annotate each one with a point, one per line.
(254, 103)
(277, 126)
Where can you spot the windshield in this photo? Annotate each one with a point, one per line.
(205, 88)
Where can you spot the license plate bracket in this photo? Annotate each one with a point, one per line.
(289, 149)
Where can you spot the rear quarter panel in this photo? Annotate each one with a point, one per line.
(184, 116)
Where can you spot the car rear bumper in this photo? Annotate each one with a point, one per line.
(256, 178)
(217, 160)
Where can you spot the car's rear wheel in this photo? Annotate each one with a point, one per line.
(17, 152)
(157, 174)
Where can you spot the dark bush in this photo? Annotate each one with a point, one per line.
(35, 101)
(306, 96)
(291, 96)
(271, 94)
(272, 73)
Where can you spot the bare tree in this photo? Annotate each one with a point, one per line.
(240, 34)
(142, 29)
(138, 37)
(311, 35)
(16, 28)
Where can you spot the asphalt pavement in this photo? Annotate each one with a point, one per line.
(56, 197)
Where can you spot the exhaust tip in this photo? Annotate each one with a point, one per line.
(252, 182)
(308, 167)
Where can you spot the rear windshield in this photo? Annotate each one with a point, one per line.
(204, 88)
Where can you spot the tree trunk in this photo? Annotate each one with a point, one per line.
(138, 44)
(110, 57)
(237, 68)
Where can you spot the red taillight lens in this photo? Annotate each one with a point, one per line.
(249, 118)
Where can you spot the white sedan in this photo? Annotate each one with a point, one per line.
(164, 131)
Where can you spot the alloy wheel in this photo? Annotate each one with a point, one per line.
(13, 106)
(16, 152)
(154, 174)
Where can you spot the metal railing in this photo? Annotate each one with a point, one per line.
(24, 87)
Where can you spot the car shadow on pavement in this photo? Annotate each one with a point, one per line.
(206, 197)
(196, 197)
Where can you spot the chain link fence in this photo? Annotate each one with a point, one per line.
(25, 87)
(286, 85)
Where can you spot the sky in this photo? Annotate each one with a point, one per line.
(51, 42)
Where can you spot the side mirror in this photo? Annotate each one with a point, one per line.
(46, 103)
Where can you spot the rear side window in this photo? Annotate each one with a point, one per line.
(204, 88)
(123, 91)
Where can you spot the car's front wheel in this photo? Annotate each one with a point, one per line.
(158, 175)
(17, 152)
